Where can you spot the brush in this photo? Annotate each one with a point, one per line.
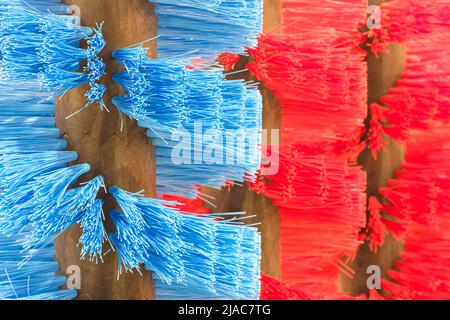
(192, 257)
(315, 68)
(206, 129)
(203, 29)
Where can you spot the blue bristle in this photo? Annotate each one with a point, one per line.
(41, 44)
(192, 257)
(53, 6)
(35, 280)
(205, 28)
(171, 100)
(55, 209)
(40, 122)
(37, 198)
(17, 169)
(94, 233)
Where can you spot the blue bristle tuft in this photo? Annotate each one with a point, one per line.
(45, 44)
(205, 28)
(94, 233)
(193, 110)
(192, 257)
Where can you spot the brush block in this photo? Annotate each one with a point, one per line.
(124, 157)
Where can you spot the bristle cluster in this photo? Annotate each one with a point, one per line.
(417, 209)
(420, 99)
(319, 197)
(320, 81)
(304, 15)
(408, 19)
(204, 28)
(272, 289)
(35, 280)
(206, 129)
(416, 202)
(46, 46)
(192, 257)
(37, 198)
(316, 70)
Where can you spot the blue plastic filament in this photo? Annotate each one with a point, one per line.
(35, 280)
(39, 40)
(205, 28)
(38, 200)
(206, 129)
(192, 257)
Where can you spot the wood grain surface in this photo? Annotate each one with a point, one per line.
(125, 158)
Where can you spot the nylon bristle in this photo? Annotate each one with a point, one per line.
(45, 45)
(272, 289)
(36, 280)
(38, 201)
(409, 19)
(192, 257)
(203, 29)
(420, 98)
(206, 129)
(316, 69)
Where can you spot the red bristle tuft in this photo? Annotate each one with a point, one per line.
(409, 19)
(304, 15)
(376, 230)
(228, 60)
(420, 99)
(419, 198)
(187, 205)
(320, 81)
(375, 139)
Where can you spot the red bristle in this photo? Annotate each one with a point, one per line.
(320, 81)
(321, 202)
(420, 191)
(419, 197)
(375, 139)
(272, 289)
(409, 19)
(187, 205)
(420, 99)
(315, 68)
(228, 60)
(257, 184)
(305, 15)
(376, 230)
